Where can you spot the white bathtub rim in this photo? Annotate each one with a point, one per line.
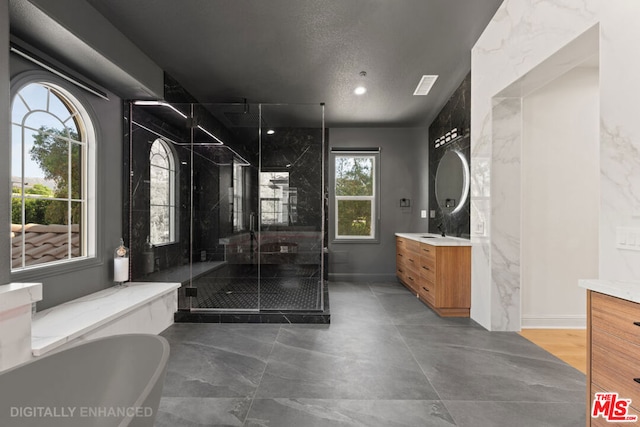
(159, 371)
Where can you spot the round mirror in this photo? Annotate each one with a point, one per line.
(452, 182)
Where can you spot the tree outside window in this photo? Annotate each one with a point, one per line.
(49, 176)
(355, 189)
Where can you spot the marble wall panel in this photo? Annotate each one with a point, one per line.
(455, 114)
(522, 36)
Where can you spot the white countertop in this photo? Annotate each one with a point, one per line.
(18, 294)
(57, 325)
(435, 239)
(625, 289)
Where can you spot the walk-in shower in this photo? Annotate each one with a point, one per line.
(228, 199)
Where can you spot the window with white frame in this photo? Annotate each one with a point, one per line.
(52, 177)
(355, 190)
(162, 209)
(274, 198)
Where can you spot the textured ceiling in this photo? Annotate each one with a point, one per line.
(310, 51)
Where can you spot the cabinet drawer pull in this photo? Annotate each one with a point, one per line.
(637, 380)
(426, 250)
(428, 291)
(400, 255)
(400, 270)
(426, 268)
(636, 323)
(410, 278)
(410, 260)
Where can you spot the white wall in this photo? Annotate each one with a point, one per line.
(560, 199)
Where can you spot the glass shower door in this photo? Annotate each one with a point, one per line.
(291, 211)
(227, 199)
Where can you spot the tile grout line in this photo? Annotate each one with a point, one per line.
(244, 422)
(413, 356)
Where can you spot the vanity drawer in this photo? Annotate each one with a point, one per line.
(427, 291)
(409, 245)
(616, 317)
(428, 269)
(412, 280)
(614, 365)
(428, 251)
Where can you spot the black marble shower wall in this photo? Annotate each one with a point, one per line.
(137, 205)
(455, 114)
(301, 149)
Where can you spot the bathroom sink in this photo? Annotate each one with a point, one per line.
(427, 237)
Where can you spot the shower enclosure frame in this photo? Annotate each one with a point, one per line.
(188, 293)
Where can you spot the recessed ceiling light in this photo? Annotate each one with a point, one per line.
(360, 90)
(425, 85)
(271, 132)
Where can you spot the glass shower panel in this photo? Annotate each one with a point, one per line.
(159, 202)
(227, 199)
(291, 207)
(224, 150)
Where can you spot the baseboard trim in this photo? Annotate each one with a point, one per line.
(554, 322)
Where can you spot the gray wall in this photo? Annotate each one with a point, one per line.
(5, 159)
(65, 282)
(404, 172)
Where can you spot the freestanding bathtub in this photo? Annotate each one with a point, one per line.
(112, 381)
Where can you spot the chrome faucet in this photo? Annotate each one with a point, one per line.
(441, 229)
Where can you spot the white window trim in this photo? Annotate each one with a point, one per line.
(173, 218)
(89, 165)
(374, 237)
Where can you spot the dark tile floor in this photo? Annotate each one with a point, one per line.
(385, 360)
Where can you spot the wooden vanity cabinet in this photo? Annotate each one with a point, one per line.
(613, 351)
(439, 275)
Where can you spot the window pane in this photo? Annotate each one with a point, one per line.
(35, 95)
(76, 171)
(274, 197)
(77, 214)
(18, 110)
(47, 235)
(16, 154)
(160, 186)
(54, 168)
(354, 176)
(58, 108)
(38, 120)
(160, 223)
(354, 217)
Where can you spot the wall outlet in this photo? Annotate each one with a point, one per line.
(628, 238)
(432, 213)
(423, 213)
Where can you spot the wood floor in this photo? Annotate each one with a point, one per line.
(569, 345)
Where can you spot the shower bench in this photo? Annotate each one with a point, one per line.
(138, 307)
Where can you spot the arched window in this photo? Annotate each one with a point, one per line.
(162, 211)
(52, 177)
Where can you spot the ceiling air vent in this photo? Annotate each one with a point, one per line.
(425, 85)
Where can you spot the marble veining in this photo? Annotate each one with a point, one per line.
(16, 300)
(526, 44)
(17, 294)
(60, 324)
(455, 114)
(385, 361)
